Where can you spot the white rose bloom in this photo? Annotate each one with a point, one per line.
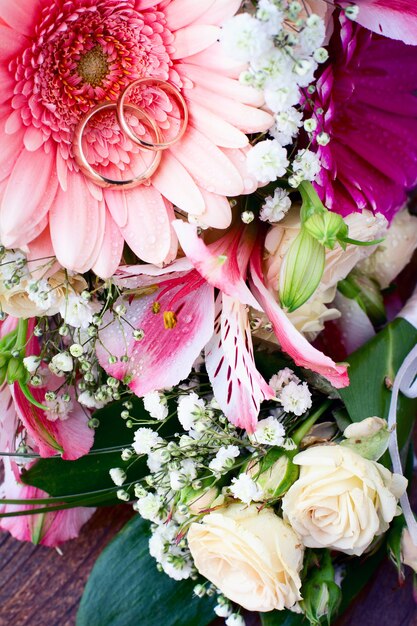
(267, 161)
(245, 489)
(341, 501)
(252, 556)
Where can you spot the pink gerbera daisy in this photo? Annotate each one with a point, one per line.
(368, 97)
(60, 58)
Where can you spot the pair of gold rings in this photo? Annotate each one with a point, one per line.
(120, 107)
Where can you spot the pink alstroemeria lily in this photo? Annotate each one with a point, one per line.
(292, 342)
(174, 310)
(48, 529)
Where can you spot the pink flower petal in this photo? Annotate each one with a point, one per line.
(193, 39)
(180, 13)
(215, 58)
(238, 386)
(217, 212)
(221, 85)
(71, 437)
(111, 251)
(148, 230)
(8, 420)
(223, 263)
(292, 342)
(192, 301)
(21, 15)
(47, 529)
(22, 211)
(247, 118)
(220, 11)
(214, 127)
(11, 42)
(174, 182)
(77, 225)
(207, 164)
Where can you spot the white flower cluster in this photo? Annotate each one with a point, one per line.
(293, 395)
(282, 45)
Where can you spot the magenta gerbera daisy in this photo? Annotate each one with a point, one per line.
(368, 98)
(60, 58)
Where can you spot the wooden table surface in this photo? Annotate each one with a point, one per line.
(39, 587)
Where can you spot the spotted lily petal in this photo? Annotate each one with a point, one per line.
(238, 386)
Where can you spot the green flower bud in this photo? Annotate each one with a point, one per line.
(321, 595)
(327, 228)
(16, 371)
(369, 438)
(301, 271)
(274, 473)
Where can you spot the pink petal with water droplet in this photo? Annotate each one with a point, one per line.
(164, 357)
(223, 263)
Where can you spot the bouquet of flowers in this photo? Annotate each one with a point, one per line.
(206, 296)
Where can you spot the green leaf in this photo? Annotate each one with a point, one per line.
(88, 479)
(372, 369)
(125, 588)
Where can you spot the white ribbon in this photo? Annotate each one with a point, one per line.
(406, 382)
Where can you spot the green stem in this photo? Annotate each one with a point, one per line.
(22, 332)
(301, 432)
(28, 395)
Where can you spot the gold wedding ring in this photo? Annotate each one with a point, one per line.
(165, 86)
(87, 168)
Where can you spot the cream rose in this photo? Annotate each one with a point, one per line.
(16, 301)
(341, 500)
(252, 556)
